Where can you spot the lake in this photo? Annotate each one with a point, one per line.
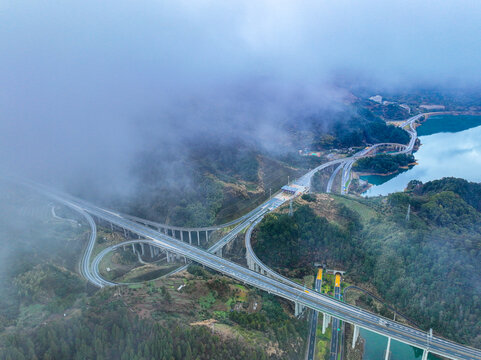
(450, 146)
(375, 347)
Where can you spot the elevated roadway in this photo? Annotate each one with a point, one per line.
(359, 318)
(308, 298)
(333, 177)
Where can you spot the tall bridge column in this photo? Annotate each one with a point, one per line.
(355, 336)
(326, 319)
(133, 248)
(298, 309)
(190, 238)
(125, 233)
(425, 355)
(182, 235)
(198, 238)
(388, 349)
(250, 263)
(207, 237)
(151, 251)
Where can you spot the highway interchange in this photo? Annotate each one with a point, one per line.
(309, 298)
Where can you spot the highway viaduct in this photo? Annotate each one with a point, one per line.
(266, 279)
(301, 297)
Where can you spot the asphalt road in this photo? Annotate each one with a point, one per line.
(333, 177)
(311, 299)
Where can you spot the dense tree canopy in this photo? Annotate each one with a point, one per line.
(426, 265)
(383, 163)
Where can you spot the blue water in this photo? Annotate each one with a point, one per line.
(441, 154)
(449, 148)
(375, 348)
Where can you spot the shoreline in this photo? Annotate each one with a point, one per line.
(366, 173)
(454, 113)
(427, 115)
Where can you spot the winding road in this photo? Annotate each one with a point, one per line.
(271, 282)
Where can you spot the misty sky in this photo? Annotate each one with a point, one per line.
(86, 85)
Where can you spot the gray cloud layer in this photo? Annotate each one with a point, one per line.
(86, 85)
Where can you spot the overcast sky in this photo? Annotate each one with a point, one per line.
(84, 85)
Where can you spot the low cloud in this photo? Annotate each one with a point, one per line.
(87, 87)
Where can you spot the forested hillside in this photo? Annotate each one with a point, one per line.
(425, 264)
(383, 163)
(354, 126)
(201, 181)
(49, 312)
(108, 330)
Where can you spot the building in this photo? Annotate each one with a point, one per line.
(291, 190)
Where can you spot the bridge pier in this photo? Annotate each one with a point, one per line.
(198, 238)
(190, 238)
(125, 233)
(355, 336)
(219, 252)
(388, 349)
(133, 248)
(111, 227)
(326, 319)
(151, 251)
(142, 248)
(249, 262)
(182, 235)
(298, 309)
(425, 355)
